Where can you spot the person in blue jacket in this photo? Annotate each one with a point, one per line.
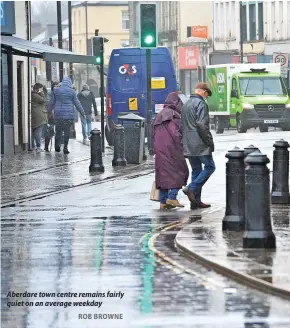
(62, 101)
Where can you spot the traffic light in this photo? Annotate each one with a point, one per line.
(148, 25)
(98, 49)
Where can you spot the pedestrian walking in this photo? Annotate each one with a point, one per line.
(62, 101)
(87, 99)
(38, 114)
(171, 171)
(197, 143)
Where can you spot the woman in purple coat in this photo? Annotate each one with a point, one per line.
(170, 166)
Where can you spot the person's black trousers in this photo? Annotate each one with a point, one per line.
(62, 126)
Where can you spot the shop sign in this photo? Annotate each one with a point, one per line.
(7, 12)
(199, 34)
(188, 57)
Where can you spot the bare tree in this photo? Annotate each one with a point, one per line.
(44, 12)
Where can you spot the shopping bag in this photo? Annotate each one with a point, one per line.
(155, 193)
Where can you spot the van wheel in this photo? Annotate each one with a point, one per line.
(218, 125)
(241, 128)
(263, 128)
(109, 136)
(286, 128)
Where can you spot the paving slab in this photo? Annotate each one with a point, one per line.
(223, 251)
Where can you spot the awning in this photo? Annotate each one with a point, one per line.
(46, 52)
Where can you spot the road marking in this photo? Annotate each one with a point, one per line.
(208, 283)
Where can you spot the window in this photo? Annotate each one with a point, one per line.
(262, 86)
(261, 20)
(281, 30)
(80, 47)
(5, 103)
(125, 43)
(79, 22)
(234, 85)
(252, 21)
(244, 22)
(125, 21)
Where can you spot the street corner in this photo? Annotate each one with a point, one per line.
(263, 269)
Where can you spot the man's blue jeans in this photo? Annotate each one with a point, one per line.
(86, 126)
(168, 194)
(199, 176)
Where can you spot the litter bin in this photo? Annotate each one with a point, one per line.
(134, 137)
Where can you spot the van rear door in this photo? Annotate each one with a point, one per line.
(126, 82)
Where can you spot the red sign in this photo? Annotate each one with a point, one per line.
(199, 32)
(188, 57)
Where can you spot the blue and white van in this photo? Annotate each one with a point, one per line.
(127, 83)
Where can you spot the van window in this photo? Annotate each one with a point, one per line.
(262, 86)
(234, 85)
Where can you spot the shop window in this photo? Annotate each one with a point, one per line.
(5, 103)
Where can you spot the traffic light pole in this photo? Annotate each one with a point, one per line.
(149, 102)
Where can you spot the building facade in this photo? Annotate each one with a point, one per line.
(178, 22)
(111, 18)
(265, 31)
(15, 80)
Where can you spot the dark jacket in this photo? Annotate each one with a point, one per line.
(63, 100)
(171, 170)
(197, 139)
(38, 109)
(87, 99)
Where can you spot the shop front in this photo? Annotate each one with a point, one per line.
(16, 54)
(188, 58)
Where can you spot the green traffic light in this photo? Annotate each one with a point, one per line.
(98, 60)
(148, 39)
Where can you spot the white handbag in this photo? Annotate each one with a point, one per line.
(155, 193)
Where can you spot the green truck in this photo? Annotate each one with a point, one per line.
(248, 96)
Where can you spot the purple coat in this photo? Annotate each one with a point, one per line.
(171, 170)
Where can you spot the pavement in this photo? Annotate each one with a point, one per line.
(33, 174)
(110, 236)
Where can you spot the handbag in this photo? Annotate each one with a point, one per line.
(155, 193)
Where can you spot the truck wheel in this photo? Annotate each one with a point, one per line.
(109, 136)
(263, 128)
(241, 125)
(218, 125)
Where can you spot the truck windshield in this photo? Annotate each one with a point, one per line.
(261, 86)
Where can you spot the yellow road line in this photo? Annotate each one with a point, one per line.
(175, 266)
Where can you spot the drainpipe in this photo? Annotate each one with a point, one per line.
(28, 37)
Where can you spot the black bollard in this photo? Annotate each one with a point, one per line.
(96, 152)
(234, 219)
(119, 146)
(250, 149)
(280, 182)
(258, 229)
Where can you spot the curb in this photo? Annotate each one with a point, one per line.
(242, 278)
(123, 173)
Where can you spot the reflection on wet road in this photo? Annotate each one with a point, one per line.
(97, 255)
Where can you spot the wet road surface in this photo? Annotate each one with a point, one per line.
(102, 238)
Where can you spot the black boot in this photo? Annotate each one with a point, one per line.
(46, 144)
(57, 149)
(65, 150)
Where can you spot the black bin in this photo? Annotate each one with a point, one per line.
(134, 137)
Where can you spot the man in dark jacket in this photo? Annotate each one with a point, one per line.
(62, 101)
(87, 99)
(197, 143)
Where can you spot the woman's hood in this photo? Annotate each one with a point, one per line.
(171, 109)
